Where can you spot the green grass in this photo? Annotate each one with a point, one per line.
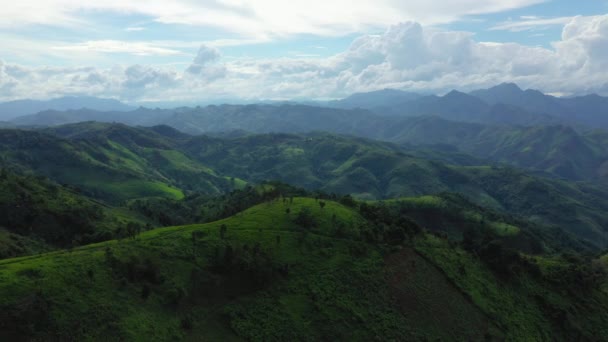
(508, 306)
(422, 201)
(120, 312)
(504, 229)
(135, 188)
(333, 286)
(179, 161)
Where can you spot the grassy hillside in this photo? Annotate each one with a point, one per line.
(374, 170)
(307, 273)
(117, 163)
(111, 162)
(39, 215)
(503, 132)
(460, 219)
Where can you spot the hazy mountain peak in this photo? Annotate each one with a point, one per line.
(512, 87)
(374, 99)
(18, 108)
(456, 94)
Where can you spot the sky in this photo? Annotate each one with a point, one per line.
(225, 50)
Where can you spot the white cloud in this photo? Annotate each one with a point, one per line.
(256, 18)
(203, 67)
(7, 82)
(115, 46)
(531, 23)
(407, 56)
(206, 55)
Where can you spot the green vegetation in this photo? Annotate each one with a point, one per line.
(111, 232)
(264, 274)
(118, 164)
(40, 215)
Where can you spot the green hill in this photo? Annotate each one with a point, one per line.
(119, 164)
(110, 162)
(318, 271)
(374, 170)
(39, 215)
(557, 150)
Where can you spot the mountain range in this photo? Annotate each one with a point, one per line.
(14, 109)
(294, 222)
(117, 163)
(502, 104)
(560, 149)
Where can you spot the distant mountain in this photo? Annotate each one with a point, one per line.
(556, 149)
(530, 100)
(549, 147)
(14, 109)
(141, 116)
(454, 105)
(590, 110)
(374, 99)
(458, 106)
(503, 104)
(270, 118)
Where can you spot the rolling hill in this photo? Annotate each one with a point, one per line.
(110, 162)
(310, 272)
(39, 215)
(559, 150)
(490, 131)
(160, 162)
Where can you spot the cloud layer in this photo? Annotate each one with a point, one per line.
(257, 18)
(407, 56)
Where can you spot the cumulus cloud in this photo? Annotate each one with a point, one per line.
(204, 56)
(7, 82)
(407, 56)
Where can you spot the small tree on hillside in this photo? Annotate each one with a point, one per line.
(322, 204)
(223, 230)
(305, 219)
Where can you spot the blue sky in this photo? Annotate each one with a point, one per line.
(163, 38)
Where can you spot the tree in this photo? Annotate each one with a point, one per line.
(305, 219)
(322, 204)
(223, 230)
(133, 229)
(287, 211)
(228, 255)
